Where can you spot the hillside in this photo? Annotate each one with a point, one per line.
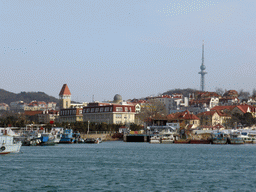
(8, 97)
(185, 92)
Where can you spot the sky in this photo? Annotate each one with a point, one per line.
(135, 48)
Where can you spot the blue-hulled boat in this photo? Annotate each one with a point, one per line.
(47, 139)
(67, 137)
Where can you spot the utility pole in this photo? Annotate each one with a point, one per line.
(88, 127)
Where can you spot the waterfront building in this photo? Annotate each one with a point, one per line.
(17, 106)
(116, 112)
(213, 118)
(4, 107)
(69, 112)
(186, 119)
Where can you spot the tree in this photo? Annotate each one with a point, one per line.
(151, 109)
(219, 91)
(244, 95)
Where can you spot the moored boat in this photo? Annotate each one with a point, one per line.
(167, 139)
(235, 138)
(182, 141)
(219, 138)
(67, 137)
(155, 139)
(8, 144)
(47, 139)
(90, 141)
(201, 141)
(248, 138)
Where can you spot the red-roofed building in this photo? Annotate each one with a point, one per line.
(185, 118)
(213, 117)
(244, 108)
(65, 97)
(111, 113)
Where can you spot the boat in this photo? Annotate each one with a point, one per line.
(47, 139)
(99, 140)
(182, 141)
(235, 138)
(57, 133)
(67, 137)
(248, 138)
(219, 138)
(167, 139)
(8, 144)
(155, 139)
(91, 141)
(200, 141)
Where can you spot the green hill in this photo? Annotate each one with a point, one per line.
(8, 97)
(185, 92)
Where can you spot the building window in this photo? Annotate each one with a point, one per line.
(120, 109)
(126, 109)
(106, 109)
(111, 108)
(88, 110)
(92, 110)
(97, 110)
(118, 116)
(101, 109)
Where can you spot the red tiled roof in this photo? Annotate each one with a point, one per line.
(244, 108)
(65, 90)
(207, 113)
(218, 108)
(185, 115)
(31, 113)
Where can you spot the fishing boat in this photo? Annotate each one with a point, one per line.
(167, 139)
(248, 138)
(47, 139)
(155, 139)
(200, 141)
(67, 137)
(90, 141)
(182, 141)
(235, 138)
(8, 144)
(219, 138)
(57, 133)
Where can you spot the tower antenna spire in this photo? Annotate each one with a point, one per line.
(202, 72)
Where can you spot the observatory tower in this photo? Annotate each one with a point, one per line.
(202, 72)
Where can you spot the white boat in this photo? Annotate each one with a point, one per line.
(57, 133)
(8, 144)
(249, 138)
(167, 139)
(155, 139)
(98, 140)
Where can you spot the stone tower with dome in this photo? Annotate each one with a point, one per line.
(118, 99)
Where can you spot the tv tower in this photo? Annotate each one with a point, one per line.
(202, 72)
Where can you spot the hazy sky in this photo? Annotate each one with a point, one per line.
(133, 48)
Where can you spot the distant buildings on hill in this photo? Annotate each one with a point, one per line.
(199, 109)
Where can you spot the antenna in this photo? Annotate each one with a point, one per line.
(203, 53)
(202, 72)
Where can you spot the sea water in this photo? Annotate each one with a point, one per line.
(120, 166)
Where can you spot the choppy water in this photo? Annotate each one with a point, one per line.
(119, 166)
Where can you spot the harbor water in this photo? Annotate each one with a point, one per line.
(120, 166)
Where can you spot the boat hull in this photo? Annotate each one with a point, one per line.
(9, 146)
(236, 141)
(182, 141)
(200, 141)
(219, 141)
(167, 141)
